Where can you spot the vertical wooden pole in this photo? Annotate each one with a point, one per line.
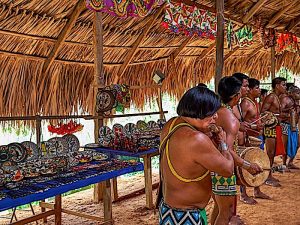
(159, 101)
(114, 183)
(107, 203)
(57, 210)
(98, 83)
(38, 131)
(220, 42)
(148, 181)
(273, 62)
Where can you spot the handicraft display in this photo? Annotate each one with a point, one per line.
(133, 138)
(27, 160)
(116, 96)
(189, 20)
(124, 8)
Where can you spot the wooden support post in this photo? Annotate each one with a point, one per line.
(273, 62)
(159, 101)
(220, 42)
(57, 210)
(107, 203)
(148, 181)
(99, 82)
(115, 194)
(38, 132)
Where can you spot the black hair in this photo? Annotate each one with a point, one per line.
(198, 102)
(202, 85)
(263, 91)
(253, 82)
(228, 87)
(277, 80)
(289, 85)
(292, 88)
(240, 76)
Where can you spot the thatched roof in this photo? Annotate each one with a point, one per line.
(29, 30)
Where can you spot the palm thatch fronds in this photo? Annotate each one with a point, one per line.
(29, 31)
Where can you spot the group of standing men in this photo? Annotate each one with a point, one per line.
(197, 163)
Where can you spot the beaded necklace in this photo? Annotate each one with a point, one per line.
(227, 106)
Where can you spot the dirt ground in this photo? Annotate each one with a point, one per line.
(283, 209)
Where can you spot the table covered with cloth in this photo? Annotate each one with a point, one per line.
(43, 187)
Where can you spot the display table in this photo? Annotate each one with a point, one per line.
(146, 156)
(62, 183)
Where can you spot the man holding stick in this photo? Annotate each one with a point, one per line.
(251, 115)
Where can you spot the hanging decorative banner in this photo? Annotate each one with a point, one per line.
(122, 96)
(181, 18)
(231, 39)
(124, 8)
(268, 37)
(287, 42)
(244, 36)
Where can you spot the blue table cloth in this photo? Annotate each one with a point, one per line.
(92, 176)
(123, 153)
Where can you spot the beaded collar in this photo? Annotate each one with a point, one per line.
(227, 106)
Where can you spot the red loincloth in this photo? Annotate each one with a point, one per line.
(280, 149)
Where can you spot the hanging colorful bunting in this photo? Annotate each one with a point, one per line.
(122, 96)
(181, 18)
(268, 37)
(231, 39)
(124, 8)
(244, 36)
(287, 42)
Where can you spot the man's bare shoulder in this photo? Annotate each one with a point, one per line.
(245, 103)
(270, 98)
(197, 138)
(227, 120)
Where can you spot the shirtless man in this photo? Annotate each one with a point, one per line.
(237, 109)
(290, 135)
(229, 90)
(272, 104)
(251, 112)
(187, 157)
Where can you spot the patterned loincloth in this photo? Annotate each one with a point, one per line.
(270, 132)
(285, 127)
(223, 185)
(173, 216)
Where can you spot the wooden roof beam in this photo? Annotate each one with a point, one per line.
(207, 51)
(253, 10)
(227, 56)
(278, 15)
(181, 47)
(63, 35)
(137, 43)
(293, 24)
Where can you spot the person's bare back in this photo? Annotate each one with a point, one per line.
(190, 152)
